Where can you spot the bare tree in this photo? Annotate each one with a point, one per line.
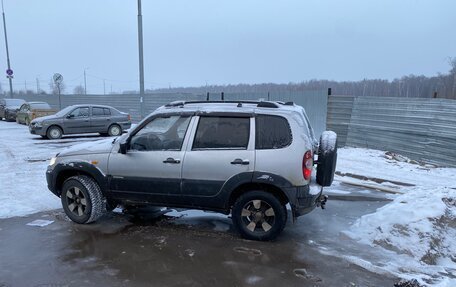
(78, 90)
(56, 89)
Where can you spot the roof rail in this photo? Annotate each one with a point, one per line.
(175, 104)
(259, 104)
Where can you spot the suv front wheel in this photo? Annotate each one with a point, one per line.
(82, 199)
(259, 215)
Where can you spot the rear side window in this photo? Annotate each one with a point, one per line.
(107, 112)
(222, 133)
(272, 132)
(97, 112)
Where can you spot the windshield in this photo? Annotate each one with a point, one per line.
(65, 111)
(14, 102)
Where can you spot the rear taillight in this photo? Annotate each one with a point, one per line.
(307, 165)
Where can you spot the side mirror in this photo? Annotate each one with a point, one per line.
(70, 116)
(123, 147)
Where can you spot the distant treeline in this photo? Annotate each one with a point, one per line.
(440, 86)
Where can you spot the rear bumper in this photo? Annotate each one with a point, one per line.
(125, 125)
(302, 200)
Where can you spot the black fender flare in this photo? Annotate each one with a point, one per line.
(254, 178)
(63, 170)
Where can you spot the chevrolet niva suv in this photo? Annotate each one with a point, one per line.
(246, 158)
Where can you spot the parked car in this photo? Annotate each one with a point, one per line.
(32, 110)
(249, 159)
(80, 119)
(9, 108)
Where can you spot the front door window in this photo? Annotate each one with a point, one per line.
(164, 133)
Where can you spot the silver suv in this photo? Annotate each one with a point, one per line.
(249, 159)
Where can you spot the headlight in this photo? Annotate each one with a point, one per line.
(52, 161)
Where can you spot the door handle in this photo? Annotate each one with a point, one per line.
(240, 161)
(171, 160)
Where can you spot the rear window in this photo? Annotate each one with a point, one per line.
(272, 132)
(222, 133)
(40, 106)
(14, 102)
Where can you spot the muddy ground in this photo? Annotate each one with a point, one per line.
(198, 249)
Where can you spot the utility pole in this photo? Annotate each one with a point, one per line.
(37, 86)
(141, 60)
(10, 77)
(25, 84)
(85, 82)
(104, 87)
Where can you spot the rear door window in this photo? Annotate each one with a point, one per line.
(272, 132)
(222, 133)
(97, 112)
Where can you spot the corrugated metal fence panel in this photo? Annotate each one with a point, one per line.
(423, 129)
(315, 102)
(339, 115)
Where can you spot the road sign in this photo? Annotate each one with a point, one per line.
(9, 72)
(57, 78)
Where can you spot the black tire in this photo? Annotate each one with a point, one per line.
(327, 158)
(114, 130)
(82, 199)
(54, 132)
(255, 208)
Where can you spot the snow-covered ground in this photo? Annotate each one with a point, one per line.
(24, 158)
(417, 230)
(414, 236)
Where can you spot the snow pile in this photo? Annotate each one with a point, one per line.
(419, 226)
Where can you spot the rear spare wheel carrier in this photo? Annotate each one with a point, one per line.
(327, 158)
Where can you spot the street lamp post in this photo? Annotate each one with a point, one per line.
(7, 53)
(141, 60)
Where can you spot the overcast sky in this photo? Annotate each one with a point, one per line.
(191, 43)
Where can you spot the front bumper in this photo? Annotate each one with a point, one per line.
(34, 130)
(51, 183)
(302, 201)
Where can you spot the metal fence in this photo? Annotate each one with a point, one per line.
(422, 129)
(315, 102)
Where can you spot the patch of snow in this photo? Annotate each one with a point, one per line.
(40, 222)
(328, 141)
(265, 177)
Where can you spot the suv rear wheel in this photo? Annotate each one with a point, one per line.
(259, 215)
(82, 199)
